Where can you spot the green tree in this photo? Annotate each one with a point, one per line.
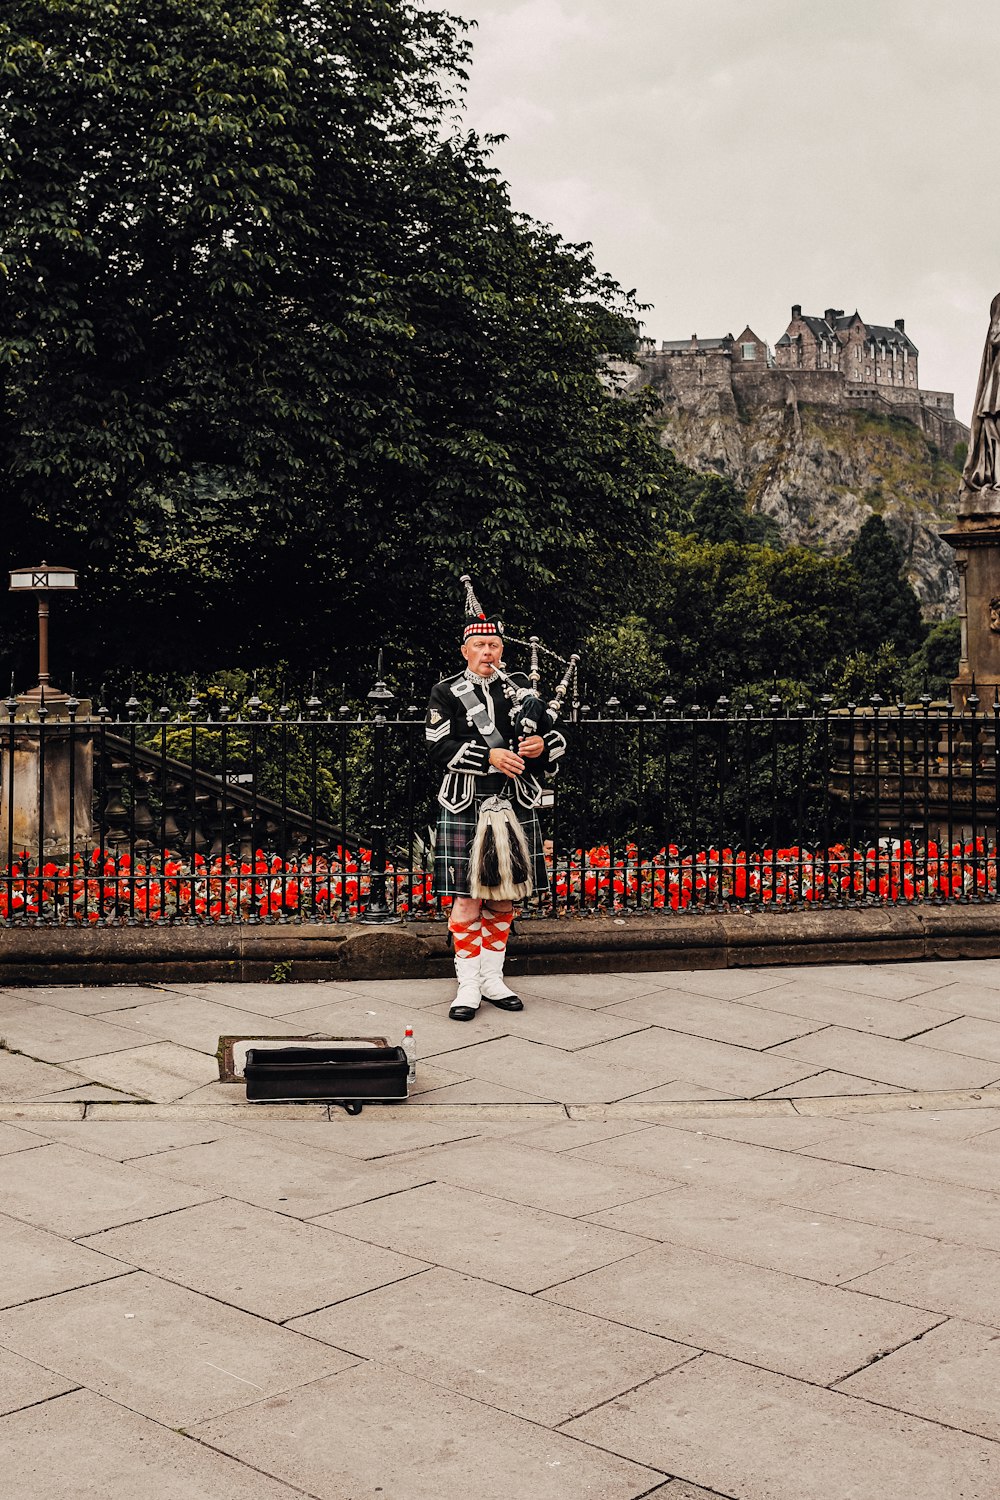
(708, 617)
(934, 664)
(719, 512)
(278, 359)
(865, 673)
(887, 609)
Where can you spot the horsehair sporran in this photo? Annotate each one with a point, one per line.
(499, 860)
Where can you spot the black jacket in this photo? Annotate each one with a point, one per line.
(461, 754)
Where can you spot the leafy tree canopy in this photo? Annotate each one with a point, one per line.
(278, 359)
(711, 617)
(719, 512)
(934, 664)
(888, 609)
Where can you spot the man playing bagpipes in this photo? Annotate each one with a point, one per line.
(492, 738)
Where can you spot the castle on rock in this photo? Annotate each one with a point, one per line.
(835, 360)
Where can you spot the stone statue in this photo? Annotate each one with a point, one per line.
(982, 468)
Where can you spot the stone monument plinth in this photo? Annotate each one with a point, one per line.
(976, 540)
(976, 535)
(46, 770)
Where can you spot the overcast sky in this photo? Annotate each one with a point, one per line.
(730, 157)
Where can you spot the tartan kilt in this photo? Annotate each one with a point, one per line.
(455, 832)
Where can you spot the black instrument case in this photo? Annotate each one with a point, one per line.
(338, 1074)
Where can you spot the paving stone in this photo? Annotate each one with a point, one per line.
(859, 1143)
(514, 1114)
(955, 1279)
(87, 1093)
(969, 1035)
(784, 1131)
(779, 1322)
(504, 1169)
(86, 1000)
(13, 1138)
(196, 1023)
(715, 1020)
(890, 981)
(796, 1241)
(160, 1071)
(23, 1383)
(129, 1139)
(266, 999)
(975, 994)
(636, 1110)
(681, 1092)
(375, 1429)
(588, 991)
(26, 1078)
(907, 1064)
(365, 1137)
(814, 999)
(417, 993)
(248, 1257)
(951, 1375)
(676, 1489)
(731, 1070)
(164, 1351)
(55, 1036)
(74, 1193)
(712, 1161)
(84, 1445)
(289, 1177)
(549, 1073)
(37, 1263)
(552, 1022)
(764, 1437)
(31, 1109)
(518, 1247)
(234, 1093)
(726, 984)
(829, 1084)
(479, 1091)
(940, 1210)
(568, 1135)
(430, 1076)
(519, 1353)
(973, 1125)
(946, 971)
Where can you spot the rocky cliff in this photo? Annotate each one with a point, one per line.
(820, 471)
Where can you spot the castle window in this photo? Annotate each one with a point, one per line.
(749, 351)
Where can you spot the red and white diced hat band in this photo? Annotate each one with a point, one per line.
(482, 626)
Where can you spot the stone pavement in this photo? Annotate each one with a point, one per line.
(719, 1233)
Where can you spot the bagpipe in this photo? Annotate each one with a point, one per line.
(500, 863)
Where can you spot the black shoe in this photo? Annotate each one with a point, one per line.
(462, 1012)
(509, 1002)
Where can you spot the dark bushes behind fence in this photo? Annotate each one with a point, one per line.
(313, 815)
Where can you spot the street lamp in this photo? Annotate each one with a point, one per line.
(42, 581)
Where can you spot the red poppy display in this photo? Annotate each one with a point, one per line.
(104, 886)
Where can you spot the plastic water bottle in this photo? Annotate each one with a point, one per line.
(410, 1048)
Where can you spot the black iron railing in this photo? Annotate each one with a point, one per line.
(312, 814)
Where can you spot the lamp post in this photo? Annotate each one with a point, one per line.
(42, 581)
(377, 910)
(48, 760)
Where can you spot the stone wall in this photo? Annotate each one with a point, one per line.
(719, 381)
(774, 387)
(687, 378)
